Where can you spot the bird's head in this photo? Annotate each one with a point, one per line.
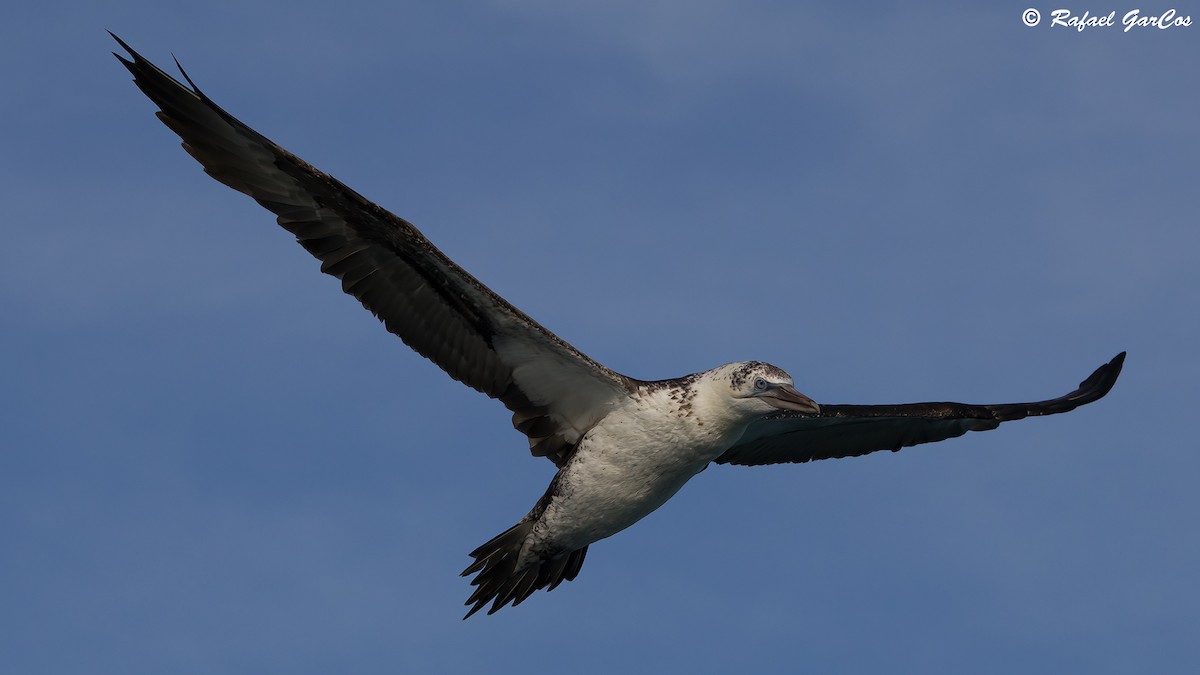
(760, 388)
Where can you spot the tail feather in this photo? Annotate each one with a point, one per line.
(497, 579)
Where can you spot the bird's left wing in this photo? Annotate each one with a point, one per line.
(853, 430)
(555, 392)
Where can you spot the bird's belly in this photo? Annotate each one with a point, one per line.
(614, 479)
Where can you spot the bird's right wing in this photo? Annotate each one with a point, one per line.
(853, 430)
(555, 392)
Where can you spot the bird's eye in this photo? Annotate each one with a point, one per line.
(760, 384)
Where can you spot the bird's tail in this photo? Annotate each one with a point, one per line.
(500, 582)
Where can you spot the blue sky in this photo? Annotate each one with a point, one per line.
(213, 461)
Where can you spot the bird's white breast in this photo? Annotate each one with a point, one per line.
(633, 461)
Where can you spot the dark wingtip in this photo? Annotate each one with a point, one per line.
(1101, 382)
(121, 57)
(1116, 364)
(1095, 387)
(141, 68)
(136, 56)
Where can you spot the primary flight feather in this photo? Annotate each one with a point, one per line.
(622, 446)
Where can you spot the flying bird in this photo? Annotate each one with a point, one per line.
(622, 446)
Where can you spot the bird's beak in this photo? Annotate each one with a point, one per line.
(786, 397)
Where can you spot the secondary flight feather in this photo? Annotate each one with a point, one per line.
(622, 446)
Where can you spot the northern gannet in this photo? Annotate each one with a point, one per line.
(622, 446)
